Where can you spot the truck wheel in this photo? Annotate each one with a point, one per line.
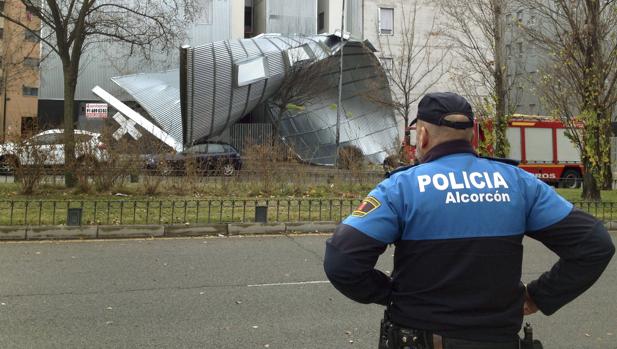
(570, 179)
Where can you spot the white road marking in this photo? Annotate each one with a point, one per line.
(291, 283)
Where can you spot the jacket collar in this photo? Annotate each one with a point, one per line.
(448, 148)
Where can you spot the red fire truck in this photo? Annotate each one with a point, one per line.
(540, 144)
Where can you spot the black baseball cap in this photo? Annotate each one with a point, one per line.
(434, 107)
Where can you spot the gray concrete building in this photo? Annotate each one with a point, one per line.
(524, 60)
(218, 20)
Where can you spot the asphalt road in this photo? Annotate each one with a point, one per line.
(251, 292)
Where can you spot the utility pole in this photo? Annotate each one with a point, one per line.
(4, 96)
(339, 108)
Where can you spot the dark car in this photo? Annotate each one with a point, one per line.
(208, 158)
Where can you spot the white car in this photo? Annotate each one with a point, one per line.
(47, 148)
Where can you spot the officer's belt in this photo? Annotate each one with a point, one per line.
(400, 337)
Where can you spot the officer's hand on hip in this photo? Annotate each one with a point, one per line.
(529, 307)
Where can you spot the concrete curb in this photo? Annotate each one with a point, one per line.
(255, 228)
(62, 232)
(311, 227)
(611, 225)
(12, 233)
(20, 233)
(130, 231)
(195, 230)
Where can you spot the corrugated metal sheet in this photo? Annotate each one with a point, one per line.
(215, 101)
(159, 95)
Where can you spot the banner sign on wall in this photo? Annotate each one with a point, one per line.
(96, 111)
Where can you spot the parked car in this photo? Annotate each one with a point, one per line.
(208, 158)
(47, 149)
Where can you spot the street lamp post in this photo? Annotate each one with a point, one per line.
(339, 108)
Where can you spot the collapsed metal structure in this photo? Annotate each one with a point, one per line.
(221, 82)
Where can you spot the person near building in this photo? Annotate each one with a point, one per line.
(457, 221)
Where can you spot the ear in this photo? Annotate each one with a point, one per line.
(423, 137)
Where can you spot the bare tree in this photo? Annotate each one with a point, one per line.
(579, 77)
(71, 26)
(477, 29)
(413, 62)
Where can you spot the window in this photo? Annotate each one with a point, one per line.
(32, 35)
(30, 91)
(2, 6)
(386, 21)
(229, 149)
(1, 33)
(31, 62)
(200, 148)
(250, 71)
(28, 126)
(299, 55)
(519, 15)
(508, 50)
(47, 139)
(387, 63)
(31, 11)
(248, 16)
(519, 48)
(509, 19)
(214, 148)
(321, 21)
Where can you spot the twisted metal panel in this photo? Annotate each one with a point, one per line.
(226, 80)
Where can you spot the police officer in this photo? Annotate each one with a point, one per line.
(457, 221)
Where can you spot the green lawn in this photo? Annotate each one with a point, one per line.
(213, 202)
(574, 195)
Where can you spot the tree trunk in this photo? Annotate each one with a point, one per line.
(608, 166)
(593, 87)
(406, 131)
(591, 192)
(70, 84)
(501, 142)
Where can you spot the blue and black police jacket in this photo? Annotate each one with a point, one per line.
(457, 222)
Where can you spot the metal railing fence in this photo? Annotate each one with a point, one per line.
(208, 211)
(110, 212)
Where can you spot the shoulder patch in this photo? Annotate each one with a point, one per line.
(505, 161)
(400, 169)
(368, 205)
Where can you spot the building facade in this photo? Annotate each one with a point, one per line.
(285, 17)
(524, 60)
(20, 57)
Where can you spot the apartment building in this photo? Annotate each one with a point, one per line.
(19, 68)
(524, 60)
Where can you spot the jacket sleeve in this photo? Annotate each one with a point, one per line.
(350, 266)
(584, 248)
